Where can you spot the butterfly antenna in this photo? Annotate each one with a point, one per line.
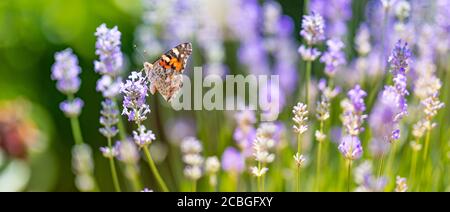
(142, 55)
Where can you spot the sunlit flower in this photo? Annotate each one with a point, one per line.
(401, 185)
(72, 108)
(134, 102)
(65, 71)
(351, 147)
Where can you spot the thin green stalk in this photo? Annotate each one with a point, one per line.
(319, 159)
(75, 125)
(154, 170)
(427, 143)
(308, 80)
(299, 144)
(133, 176)
(319, 154)
(349, 175)
(113, 170)
(194, 186)
(76, 131)
(391, 159)
(380, 168)
(412, 173)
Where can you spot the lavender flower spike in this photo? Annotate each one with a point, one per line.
(72, 108)
(109, 119)
(351, 147)
(65, 71)
(108, 49)
(313, 28)
(334, 57)
(134, 102)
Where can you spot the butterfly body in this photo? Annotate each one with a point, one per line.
(165, 75)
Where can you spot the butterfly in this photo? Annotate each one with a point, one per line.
(165, 74)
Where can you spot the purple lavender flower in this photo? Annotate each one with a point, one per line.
(108, 49)
(383, 120)
(308, 53)
(351, 147)
(109, 118)
(109, 86)
(143, 137)
(356, 96)
(65, 71)
(233, 161)
(334, 57)
(72, 108)
(313, 28)
(110, 152)
(399, 61)
(134, 102)
(399, 58)
(336, 13)
(245, 133)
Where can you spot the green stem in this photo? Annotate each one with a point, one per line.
(427, 143)
(298, 178)
(76, 131)
(349, 175)
(194, 186)
(391, 159)
(113, 169)
(319, 154)
(380, 168)
(299, 144)
(75, 124)
(132, 174)
(154, 170)
(308, 80)
(412, 173)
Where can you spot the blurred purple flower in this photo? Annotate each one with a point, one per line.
(245, 133)
(134, 102)
(108, 49)
(233, 161)
(65, 71)
(313, 28)
(336, 14)
(72, 108)
(356, 96)
(334, 57)
(351, 147)
(110, 152)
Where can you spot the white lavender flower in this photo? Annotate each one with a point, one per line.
(212, 166)
(401, 185)
(323, 109)
(402, 9)
(83, 167)
(128, 152)
(300, 159)
(258, 172)
(191, 145)
(300, 112)
(362, 40)
(193, 172)
(191, 149)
